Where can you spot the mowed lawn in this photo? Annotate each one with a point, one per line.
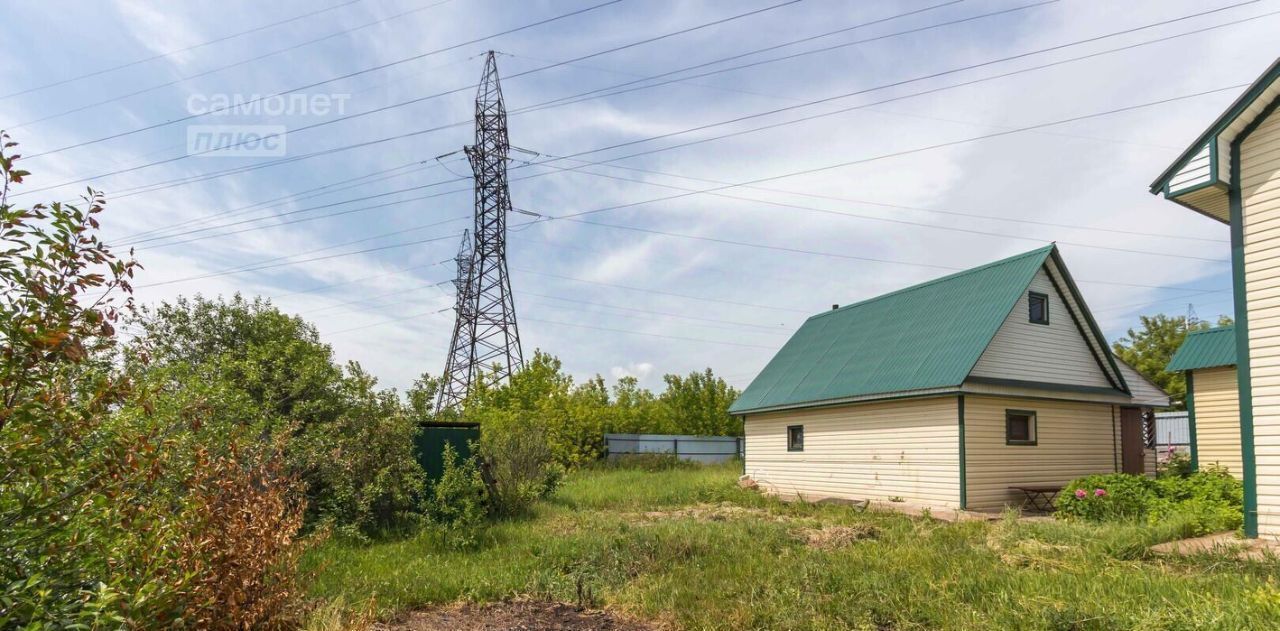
(686, 548)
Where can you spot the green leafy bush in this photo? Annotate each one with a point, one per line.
(113, 515)
(1206, 501)
(1107, 497)
(264, 372)
(1178, 464)
(456, 502)
(520, 460)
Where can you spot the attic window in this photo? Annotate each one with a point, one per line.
(795, 438)
(1038, 308)
(1019, 427)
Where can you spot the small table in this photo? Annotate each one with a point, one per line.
(1040, 497)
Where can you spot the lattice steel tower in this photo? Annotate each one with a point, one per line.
(485, 334)
(457, 374)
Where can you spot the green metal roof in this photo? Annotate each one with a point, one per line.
(922, 337)
(1206, 349)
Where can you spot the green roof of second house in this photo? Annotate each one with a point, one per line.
(927, 336)
(1209, 348)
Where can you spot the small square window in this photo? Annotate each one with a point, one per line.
(1038, 308)
(1019, 427)
(795, 438)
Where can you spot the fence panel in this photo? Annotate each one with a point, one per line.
(704, 449)
(1172, 430)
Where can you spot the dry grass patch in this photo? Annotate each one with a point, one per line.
(723, 511)
(836, 537)
(526, 615)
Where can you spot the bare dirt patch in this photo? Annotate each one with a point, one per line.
(836, 537)
(710, 512)
(523, 615)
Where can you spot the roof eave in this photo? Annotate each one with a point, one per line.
(1087, 314)
(863, 398)
(1237, 107)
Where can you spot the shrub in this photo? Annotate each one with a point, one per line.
(1206, 501)
(1106, 497)
(364, 478)
(108, 516)
(268, 372)
(240, 548)
(521, 462)
(1178, 464)
(456, 502)
(1210, 500)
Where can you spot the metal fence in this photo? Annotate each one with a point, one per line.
(704, 449)
(1172, 430)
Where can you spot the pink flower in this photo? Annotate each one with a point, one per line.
(1099, 492)
(1080, 494)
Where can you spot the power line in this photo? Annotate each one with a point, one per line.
(895, 154)
(853, 215)
(714, 190)
(795, 250)
(889, 205)
(338, 78)
(179, 51)
(348, 117)
(769, 112)
(772, 329)
(708, 139)
(660, 292)
(218, 69)
(399, 231)
(309, 193)
(588, 95)
(310, 260)
(539, 106)
(657, 335)
(291, 213)
(186, 180)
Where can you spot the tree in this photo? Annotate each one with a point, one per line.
(258, 372)
(699, 404)
(1150, 349)
(107, 519)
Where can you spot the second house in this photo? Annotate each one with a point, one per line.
(957, 393)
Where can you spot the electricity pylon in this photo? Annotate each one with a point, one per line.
(485, 334)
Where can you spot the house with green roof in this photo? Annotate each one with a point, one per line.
(1231, 173)
(955, 393)
(1208, 358)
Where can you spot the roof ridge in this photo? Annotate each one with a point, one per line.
(928, 283)
(1216, 329)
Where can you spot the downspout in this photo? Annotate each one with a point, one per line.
(1191, 421)
(964, 484)
(1243, 376)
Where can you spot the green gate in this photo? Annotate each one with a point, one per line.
(431, 439)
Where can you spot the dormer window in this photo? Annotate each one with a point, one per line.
(1038, 308)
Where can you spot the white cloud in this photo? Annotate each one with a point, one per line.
(639, 370)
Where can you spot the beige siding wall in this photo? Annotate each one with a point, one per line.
(907, 449)
(1073, 439)
(1260, 194)
(1217, 406)
(1054, 353)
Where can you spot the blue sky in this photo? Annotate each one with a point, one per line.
(628, 300)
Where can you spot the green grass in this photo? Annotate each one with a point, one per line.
(751, 570)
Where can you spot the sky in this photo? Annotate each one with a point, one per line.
(898, 142)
